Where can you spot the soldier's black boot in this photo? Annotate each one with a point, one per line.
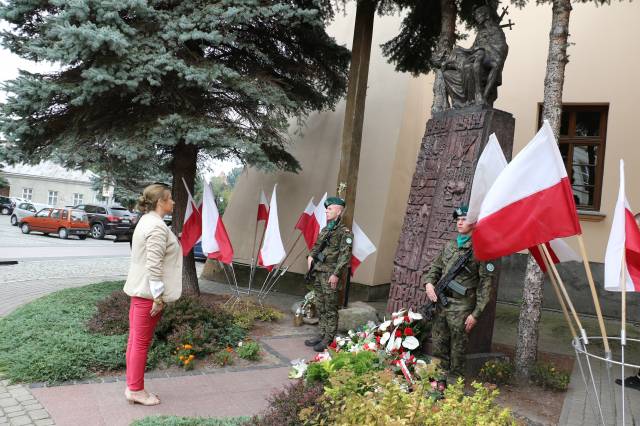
(321, 346)
(313, 341)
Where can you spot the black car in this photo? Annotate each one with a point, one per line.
(126, 235)
(105, 220)
(6, 205)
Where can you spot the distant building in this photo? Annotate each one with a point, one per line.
(49, 183)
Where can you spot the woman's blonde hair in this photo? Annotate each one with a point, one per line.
(151, 195)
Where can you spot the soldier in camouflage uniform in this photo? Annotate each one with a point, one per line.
(453, 323)
(330, 264)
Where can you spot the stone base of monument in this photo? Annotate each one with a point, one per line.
(356, 315)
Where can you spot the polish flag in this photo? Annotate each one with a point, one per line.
(490, 164)
(303, 223)
(272, 251)
(623, 246)
(530, 203)
(263, 207)
(316, 222)
(361, 249)
(191, 227)
(215, 240)
(559, 252)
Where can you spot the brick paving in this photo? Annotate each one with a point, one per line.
(18, 407)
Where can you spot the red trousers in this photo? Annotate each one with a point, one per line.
(141, 327)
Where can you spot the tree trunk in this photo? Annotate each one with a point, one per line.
(446, 39)
(185, 158)
(527, 344)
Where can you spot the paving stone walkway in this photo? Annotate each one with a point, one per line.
(19, 407)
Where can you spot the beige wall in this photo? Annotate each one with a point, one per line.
(603, 68)
(42, 186)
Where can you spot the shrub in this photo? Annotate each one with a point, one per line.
(548, 377)
(189, 421)
(223, 357)
(357, 362)
(384, 396)
(499, 372)
(112, 316)
(286, 406)
(249, 350)
(246, 313)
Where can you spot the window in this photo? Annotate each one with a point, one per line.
(55, 214)
(53, 198)
(65, 215)
(27, 193)
(43, 213)
(101, 210)
(77, 198)
(583, 130)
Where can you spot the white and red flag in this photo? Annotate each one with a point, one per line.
(192, 225)
(490, 164)
(531, 202)
(215, 240)
(272, 250)
(303, 224)
(361, 249)
(263, 207)
(316, 223)
(623, 246)
(559, 252)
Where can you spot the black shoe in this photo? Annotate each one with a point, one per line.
(632, 382)
(321, 346)
(313, 341)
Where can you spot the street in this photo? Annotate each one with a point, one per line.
(47, 264)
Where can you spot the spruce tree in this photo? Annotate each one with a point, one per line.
(162, 83)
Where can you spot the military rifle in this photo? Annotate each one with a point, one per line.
(320, 257)
(446, 282)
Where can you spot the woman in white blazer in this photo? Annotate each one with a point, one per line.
(155, 278)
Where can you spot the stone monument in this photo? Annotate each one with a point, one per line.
(451, 146)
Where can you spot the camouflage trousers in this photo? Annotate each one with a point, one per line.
(327, 305)
(450, 340)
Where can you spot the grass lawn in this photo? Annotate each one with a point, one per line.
(189, 421)
(47, 340)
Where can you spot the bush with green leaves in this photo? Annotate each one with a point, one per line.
(497, 371)
(189, 421)
(358, 363)
(384, 397)
(249, 350)
(548, 376)
(286, 406)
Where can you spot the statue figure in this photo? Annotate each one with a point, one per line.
(472, 76)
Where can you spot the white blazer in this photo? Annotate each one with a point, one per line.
(155, 255)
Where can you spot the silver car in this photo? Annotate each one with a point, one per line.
(26, 209)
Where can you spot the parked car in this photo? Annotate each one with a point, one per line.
(197, 252)
(126, 235)
(106, 220)
(64, 222)
(25, 209)
(6, 205)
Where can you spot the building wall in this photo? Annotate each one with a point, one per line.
(603, 68)
(41, 187)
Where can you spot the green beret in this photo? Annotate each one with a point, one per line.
(334, 200)
(461, 211)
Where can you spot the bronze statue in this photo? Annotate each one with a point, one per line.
(472, 76)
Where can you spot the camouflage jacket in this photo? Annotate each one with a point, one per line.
(475, 276)
(337, 250)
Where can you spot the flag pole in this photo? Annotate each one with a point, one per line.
(594, 296)
(563, 289)
(190, 196)
(253, 249)
(623, 331)
(279, 267)
(554, 284)
(278, 276)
